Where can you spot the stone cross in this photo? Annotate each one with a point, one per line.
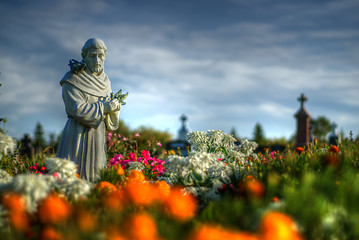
(303, 124)
(302, 99)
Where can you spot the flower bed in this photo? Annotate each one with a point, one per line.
(220, 191)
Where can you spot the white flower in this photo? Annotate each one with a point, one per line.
(78, 189)
(7, 145)
(65, 168)
(5, 177)
(135, 166)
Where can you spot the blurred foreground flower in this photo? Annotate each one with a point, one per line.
(54, 209)
(214, 232)
(278, 226)
(181, 206)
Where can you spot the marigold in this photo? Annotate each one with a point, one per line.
(299, 150)
(180, 206)
(136, 176)
(142, 194)
(120, 170)
(19, 220)
(213, 232)
(54, 209)
(115, 200)
(105, 187)
(163, 188)
(333, 149)
(86, 221)
(278, 226)
(50, 233)
(142, 227)
(13, 201)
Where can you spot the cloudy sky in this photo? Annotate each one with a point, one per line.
(224, 63)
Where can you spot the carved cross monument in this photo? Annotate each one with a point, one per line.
(182, 133)
(303, 124)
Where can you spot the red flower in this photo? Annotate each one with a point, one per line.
(299, 150)
(334, 149)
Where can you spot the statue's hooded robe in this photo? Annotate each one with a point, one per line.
(83, 139)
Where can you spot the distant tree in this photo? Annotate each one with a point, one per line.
(39, 139)
(156, 139)
(123, 129)
(258, 135)
(234, 133)
(320, 128)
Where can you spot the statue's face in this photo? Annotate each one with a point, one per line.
(95, 60)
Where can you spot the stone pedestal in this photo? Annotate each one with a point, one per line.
(303, 124)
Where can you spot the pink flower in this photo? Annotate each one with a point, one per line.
(132, 157)
(109, 136)
(56, 175)
(137, 134)
(145, 154)
(124, 139)
(159, 143)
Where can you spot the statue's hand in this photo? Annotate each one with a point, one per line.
(111, 106)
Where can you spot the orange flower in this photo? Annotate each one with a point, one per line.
(120, 170)
(333, 149)
(278, 226)
(136, 176)
(275, 199)
(142, 194)
(54, 209)
(252, 187)
(78, 175)
(163, 188)
(114, 234)
(255, 188)
(50, 233)
(13, 202)
(19, 220)
(180, 206)
(142, 227)
(212, 232)
(299, 150)
(115, 200)
(105, 187)
(86, 221)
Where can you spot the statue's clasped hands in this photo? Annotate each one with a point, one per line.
(111, 106)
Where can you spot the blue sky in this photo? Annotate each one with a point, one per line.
(224, 63)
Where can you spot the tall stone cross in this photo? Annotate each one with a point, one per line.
(303, 124)
(302, 99)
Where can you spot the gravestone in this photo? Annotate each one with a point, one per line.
(303, 124)
(181, 144)
(334, 139)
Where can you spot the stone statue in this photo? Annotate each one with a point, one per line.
(86, 92)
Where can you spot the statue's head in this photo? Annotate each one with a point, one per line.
(93, 54)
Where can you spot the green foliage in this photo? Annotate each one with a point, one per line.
(258, 135)
(39, 138)
(320, 128)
